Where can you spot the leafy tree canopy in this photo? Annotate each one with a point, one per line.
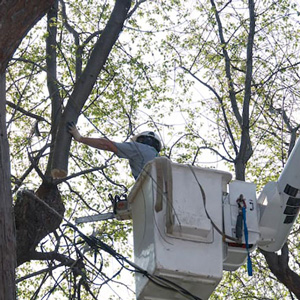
(218, 80)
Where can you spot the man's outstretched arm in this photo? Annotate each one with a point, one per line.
(99, 143)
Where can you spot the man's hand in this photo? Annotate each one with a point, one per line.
(74, 131)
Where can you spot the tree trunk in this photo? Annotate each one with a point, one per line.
(16, 18)
(7, 233)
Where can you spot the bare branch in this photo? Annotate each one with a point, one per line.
(25, 112)
(58, 181)
(78, 54)
(231, 90)
(39, 272)
(249, 66)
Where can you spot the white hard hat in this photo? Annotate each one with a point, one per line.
(151, 134)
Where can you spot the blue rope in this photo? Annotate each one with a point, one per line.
(249, 263)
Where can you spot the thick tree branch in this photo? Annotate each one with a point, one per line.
(16, 18)
(278, 264)
(246, 151)
(85, 84)
(52, 82)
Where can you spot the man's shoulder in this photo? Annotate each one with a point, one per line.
(134, 148)
(125, 144)
(127, 149)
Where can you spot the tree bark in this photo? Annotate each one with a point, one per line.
(7, 232)
(34, 220)
(16, 19)
(85, 83)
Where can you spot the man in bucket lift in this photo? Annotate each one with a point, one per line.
(143, 148)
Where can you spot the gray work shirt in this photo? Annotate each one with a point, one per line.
(138, 155)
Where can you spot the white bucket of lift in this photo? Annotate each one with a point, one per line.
(174, 237)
